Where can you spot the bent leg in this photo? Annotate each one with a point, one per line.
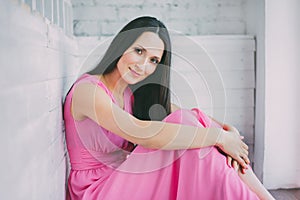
(250, 179)
(154, 174)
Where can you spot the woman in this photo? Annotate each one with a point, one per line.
(177, 158)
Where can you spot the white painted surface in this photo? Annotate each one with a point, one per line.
(37, 66)
(275, 25)
(216, 74)
(192, 17)
(282, 134)
(256, 26)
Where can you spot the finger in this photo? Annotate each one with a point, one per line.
(241, 162)
(245, 158)
(243, 170)
(242, 137)
(245, 152)
(245, 146)
(235, 165)
(229, 160)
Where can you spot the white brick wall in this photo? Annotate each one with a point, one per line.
(38, 64)
(192, 17)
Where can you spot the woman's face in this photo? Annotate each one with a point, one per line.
(141, 58)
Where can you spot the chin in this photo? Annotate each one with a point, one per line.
(134, 81)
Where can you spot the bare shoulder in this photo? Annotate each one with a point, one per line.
(84, 98)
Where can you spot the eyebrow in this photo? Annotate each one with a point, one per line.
(157, 57)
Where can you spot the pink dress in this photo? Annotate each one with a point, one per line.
(103, 168)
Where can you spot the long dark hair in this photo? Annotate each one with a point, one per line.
(152, 95)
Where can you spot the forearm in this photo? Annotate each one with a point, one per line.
(176, 136)
(171, 136)
(156, 134)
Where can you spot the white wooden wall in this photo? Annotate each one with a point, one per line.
(217, 74)
(214, 73)
(38, 64)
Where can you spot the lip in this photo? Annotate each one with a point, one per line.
(134, 72)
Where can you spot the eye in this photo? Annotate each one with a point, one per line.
(154, 60)
(138, 50)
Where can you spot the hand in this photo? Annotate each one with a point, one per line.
(230, 160)
(230, 142)
(233, 163)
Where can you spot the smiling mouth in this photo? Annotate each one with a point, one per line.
(134, 72)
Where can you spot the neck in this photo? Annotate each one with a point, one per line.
(114, 83)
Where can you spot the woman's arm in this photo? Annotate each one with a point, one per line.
(91, 101)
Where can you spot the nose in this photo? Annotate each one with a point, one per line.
(142, 65)
(140, 68)
(143, 61)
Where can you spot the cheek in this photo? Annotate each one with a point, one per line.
(129, 58)
(124, 61)
(150, 69)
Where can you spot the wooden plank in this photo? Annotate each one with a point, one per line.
(214, 61)
(238, 79)
(214, 43)
(247, 131)
(233, 98)
(243, 116)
